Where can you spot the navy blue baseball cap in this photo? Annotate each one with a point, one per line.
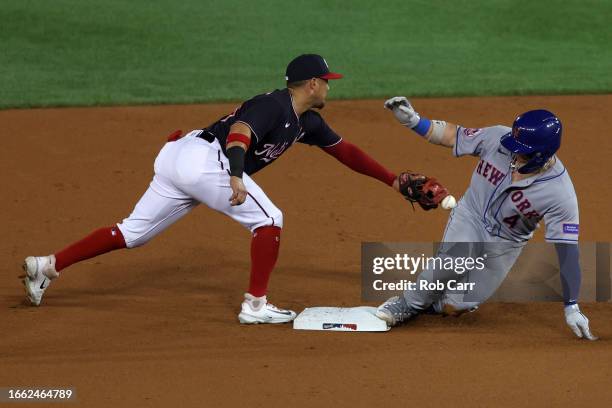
(308, 66)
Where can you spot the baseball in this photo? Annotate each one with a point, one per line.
(449, 202)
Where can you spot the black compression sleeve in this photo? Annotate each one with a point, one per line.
(235, 155)
(570, 271)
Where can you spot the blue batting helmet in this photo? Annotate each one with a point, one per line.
(535, 134)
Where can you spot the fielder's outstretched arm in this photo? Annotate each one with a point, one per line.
(358, 160)
(435, 131)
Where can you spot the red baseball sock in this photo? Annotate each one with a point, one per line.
(97, 243)
(264, 252)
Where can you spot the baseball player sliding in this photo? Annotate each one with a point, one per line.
(214, 166)
(518, 182)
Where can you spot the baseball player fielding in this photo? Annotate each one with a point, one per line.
(213, 166)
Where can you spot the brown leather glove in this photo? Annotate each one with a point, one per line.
(417, 188)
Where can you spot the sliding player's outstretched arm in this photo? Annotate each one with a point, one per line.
(434, 131)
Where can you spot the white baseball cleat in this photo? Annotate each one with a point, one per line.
(40, 271)
(257, 310)
(394, 311)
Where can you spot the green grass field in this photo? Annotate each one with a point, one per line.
(86, 52)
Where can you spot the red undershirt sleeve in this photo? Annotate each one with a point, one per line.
(359, 161)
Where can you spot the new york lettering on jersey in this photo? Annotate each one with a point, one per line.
(274, 128)
(491, 171)
(549, 196)
(512, 210)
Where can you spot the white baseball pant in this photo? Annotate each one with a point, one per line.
(190, 171)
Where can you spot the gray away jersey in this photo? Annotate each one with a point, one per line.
(512, 210)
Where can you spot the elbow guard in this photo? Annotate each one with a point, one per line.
(437, 132)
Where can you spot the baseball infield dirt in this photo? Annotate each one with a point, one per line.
(156, 326)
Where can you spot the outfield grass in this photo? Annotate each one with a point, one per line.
(86, 52)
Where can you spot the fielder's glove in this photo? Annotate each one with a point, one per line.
(578, 322)
(428, 192)
(403, 111)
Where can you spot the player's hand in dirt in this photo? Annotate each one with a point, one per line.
(578, 322)
(403, 111)
(239, 191)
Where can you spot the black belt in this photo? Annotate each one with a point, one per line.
(209, 137)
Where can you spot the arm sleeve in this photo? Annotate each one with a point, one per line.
(570, 274)
(562, 223)
(316, 131)
(475, 142)
(359, 161)
(260, 114)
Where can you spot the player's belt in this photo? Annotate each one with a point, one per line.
(209, 137)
